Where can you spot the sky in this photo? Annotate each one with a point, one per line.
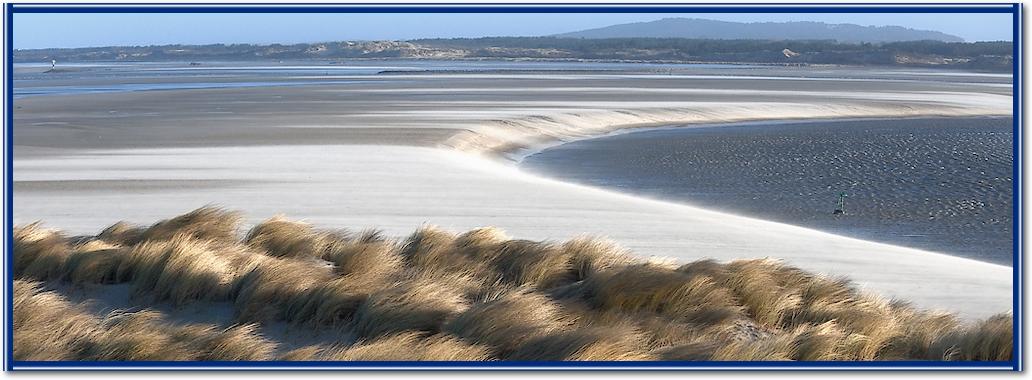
(65, 30)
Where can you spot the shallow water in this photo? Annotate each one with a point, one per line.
(68, 78)
(944, 185)
(37, 79)
(125, 87)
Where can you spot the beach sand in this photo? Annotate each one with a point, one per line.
(406, 150)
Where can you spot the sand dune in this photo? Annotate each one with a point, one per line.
(435, 295)
(398, 188)
(454, 178)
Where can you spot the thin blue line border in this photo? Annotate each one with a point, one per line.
(1013, 8)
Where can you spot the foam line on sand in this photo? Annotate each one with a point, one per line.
(510, 136)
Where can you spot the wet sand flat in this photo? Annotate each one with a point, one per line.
(427, 110)
(118, 185)
(943, 185)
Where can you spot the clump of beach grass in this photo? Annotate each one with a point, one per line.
(122, 233)
(267, 290)
(94, 262)
(39, 253)
(438, 295)
(49, 327)
(239, 343)
(506, 320)
(205, 223)
(413, 346)
(281, 237)
(46, 326)
(416, 305)
(611, 343)
(334, 302)
(650, 288)
(366, 258)
(184, 269)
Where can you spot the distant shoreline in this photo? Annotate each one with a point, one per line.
(343, 62)
(989, 56)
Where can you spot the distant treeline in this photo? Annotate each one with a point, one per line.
(986, 55)
(720, 46)
(966, 55)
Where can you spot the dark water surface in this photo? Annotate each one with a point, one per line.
(942, 184)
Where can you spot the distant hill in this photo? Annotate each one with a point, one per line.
(725, 30)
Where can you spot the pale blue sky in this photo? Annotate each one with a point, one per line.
(44, 30)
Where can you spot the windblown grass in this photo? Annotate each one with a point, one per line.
(39, 253)
(266, 291)
(122, 233)
(205, 223)
(183, 269)
(94, 262)
(414, 305)
(506, 321)
(48, 327)
(436, 295)
(365, 257)
(412, 346)
(333, 303)
(280, 237)
(611, 343)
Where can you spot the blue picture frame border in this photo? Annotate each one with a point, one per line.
(1015, 364)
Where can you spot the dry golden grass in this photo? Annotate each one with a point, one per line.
(418, 305)
(136, 336)
(537, 264)
(649, 288)
(334, 302)
(306, 353)
(205, 223)
(506, 320)
(280, 237)
(266, 292)
(989, 340)
(435, 295)
(184, 269)
(611, 343)
(48, 327)
(590, 255)
(95, 262)
(755, 284)
(39, 253)
(430, 249)
(413, 346)
(45, 326)
(241, 342)
(365, 258)
(122, 233)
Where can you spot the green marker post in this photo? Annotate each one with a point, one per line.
(841, 210)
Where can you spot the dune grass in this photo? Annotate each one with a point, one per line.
(437, 295)
(412, 346)
(48, 327)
